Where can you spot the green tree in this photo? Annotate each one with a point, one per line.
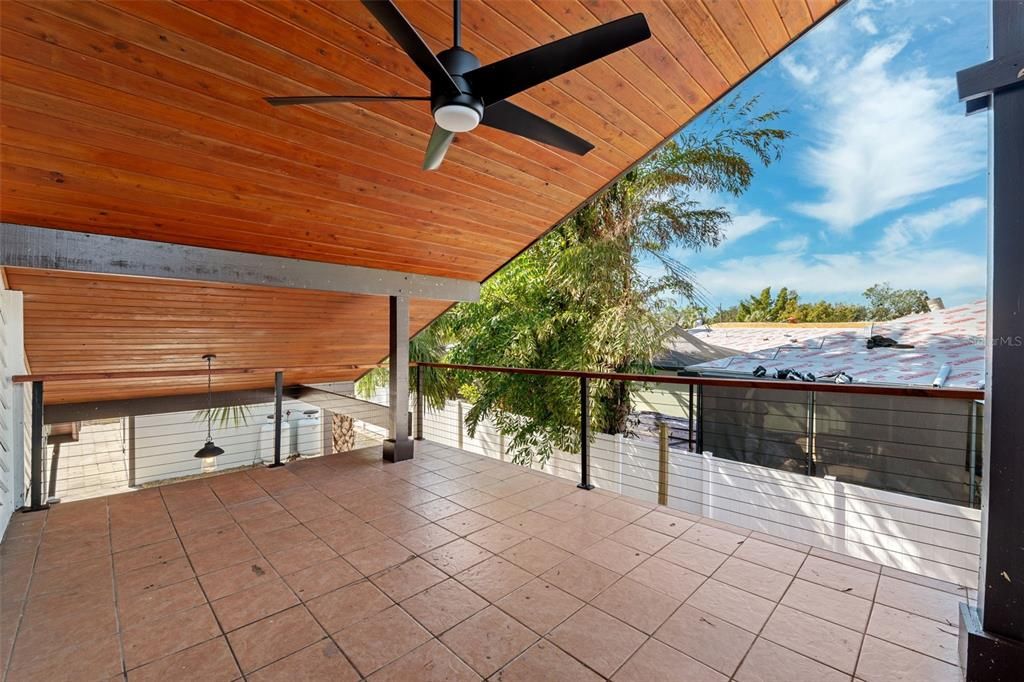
(427, 346)
(886, 303)
(765, 308)
(580, 298)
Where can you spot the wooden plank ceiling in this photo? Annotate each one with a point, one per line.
(146, 119)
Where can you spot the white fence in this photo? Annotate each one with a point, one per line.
(926, 537)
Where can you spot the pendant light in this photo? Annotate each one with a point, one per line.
(209, 450)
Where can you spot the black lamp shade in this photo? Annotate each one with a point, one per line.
(209, 450)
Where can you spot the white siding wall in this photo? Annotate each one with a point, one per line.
(12, 440)
(922, 536)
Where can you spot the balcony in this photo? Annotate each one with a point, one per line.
(451, 566)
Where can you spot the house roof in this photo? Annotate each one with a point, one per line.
(147, 120)
(954, 336)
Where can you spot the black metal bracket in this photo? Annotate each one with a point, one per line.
(976, 84)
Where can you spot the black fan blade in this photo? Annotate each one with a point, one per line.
(385, 12)
(518, 121)
(440, 140)
(327, 99)
(495, 82)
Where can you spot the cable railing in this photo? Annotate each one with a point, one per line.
(887, 473)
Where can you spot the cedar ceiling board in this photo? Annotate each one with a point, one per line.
(145, 120)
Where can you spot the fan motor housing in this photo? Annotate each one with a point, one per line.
(456, 62)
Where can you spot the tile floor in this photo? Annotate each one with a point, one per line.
(447, 567)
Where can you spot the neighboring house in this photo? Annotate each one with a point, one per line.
(923, 447)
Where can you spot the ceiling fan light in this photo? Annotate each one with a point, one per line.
(456, 118)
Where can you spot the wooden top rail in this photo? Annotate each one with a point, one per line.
(777, 384)
(172, 373)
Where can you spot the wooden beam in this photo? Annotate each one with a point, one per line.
(175, 373)
(44, 248)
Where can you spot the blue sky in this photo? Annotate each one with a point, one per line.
(885, 178)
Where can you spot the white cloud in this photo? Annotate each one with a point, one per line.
(744, 224)
(864, 23)
(942, 272)
(796, 244)
(886, 138)
(918, 228)
(801, 73)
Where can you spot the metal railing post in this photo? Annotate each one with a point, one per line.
(36, 483)
(809, 465)
(419, 403)
(700, 419)
(278, 397)
(585, 434)
(662, 463)
(689, 426)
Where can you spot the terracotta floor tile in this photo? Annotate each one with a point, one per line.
(772, 556)
(236, 578)
(664, 523)
(379, 639)
(320, 661)
(341, 608)
(638, 537)
(353, 538)
(493, 578)
(926, 581)
(845, 559)
(499, 510)
(713, 537)
(300, 556)
(881, 661)
(769, 662)
(532, 523)
(832, 605)
(404, 580)
(819, 639)
(253, 604)
(444, 606)
(580, 578)
(497, 538)
(569, 537)
(760, 580)
(154, 604)
(732, 604)
(539, 605)
(430, 662)
(667, 578)
(695, 557)
(214, 558)
(924, 601)
(282, 539)
(322, 578)
(438, 509)
(210, 661)
(535, 555)
(147, 555)
(624, 509)
(265, 641)
(158, 638)
(465, 522)
(841, 577)
(614, 556)
(456, 556)
(449, 488)
(332, 523)
(914, 632)
(488, 640)
(545, 662)
(594, 521)
(254, 508)
(637, 605)
(600, 641)
(425, 538)
(99, 660)
(377, 557)
(399, 522)
(709, 639)
(657, 661)
(268, 524)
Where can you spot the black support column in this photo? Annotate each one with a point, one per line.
(278, 415)
(992, 635)
(36, 484)
(398, 446)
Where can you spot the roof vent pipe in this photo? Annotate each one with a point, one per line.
(936, 304)
(943, 374)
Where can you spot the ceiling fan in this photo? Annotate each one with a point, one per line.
(464, 94)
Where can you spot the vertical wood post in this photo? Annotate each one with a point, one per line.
(585, 435)
(398, 446)
(992, 635)
(36, 482)
(278, 398)
(662, 463)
